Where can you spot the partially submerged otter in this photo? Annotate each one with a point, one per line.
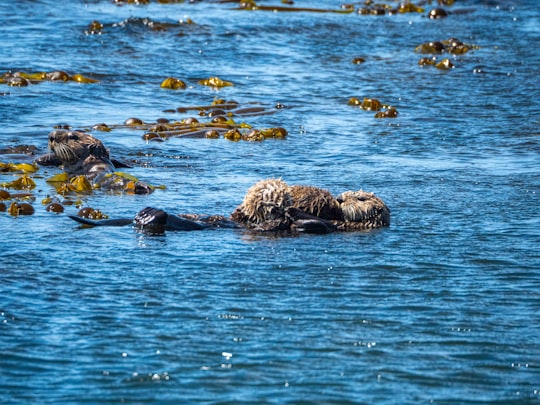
(272, 205)
(79, 153)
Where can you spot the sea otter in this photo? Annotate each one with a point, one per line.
(272, 205)
(79, 153)
(273, 200)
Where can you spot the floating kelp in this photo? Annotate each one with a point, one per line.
(444, 64)
(252, 5)
(55, 207)
(172, 83)
(217, 128)
(20, 208)
(215, 82)
(23, 182)
(18, 167)
(65, 185)
(221, 124)
(22, 79)
(231, 108)
(391, 112)
(372, 8)
(18, 205)
(121, 182)
(57, 204)
(145, 2)
(437, 13)
(21, 200)
(369, 104)
(91, 213)
(372, 104)
(427, 61)
(453, 46)
(136, 23)
(116, 182)
(137, 2)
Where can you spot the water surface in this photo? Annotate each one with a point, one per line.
(442, 306)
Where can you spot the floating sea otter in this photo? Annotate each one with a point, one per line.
(272, 205)
(79, 153)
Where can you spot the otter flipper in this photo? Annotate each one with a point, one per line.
(312, 226)
(307, 223)
(156, 221)
(102, 222)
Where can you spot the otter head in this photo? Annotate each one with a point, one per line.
(78, 151)
(364, 208)
(266, 201)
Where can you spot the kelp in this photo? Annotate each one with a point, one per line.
(215, 82)
(144, 24)
(452, 46)
(23, 79)
(373, 104)
(253, 6)
(222, 124)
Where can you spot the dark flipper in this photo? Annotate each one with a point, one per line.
(312, 226)
(303, 222)
(102, 222)
(120, 164)
(156, 221)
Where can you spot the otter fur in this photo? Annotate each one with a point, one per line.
(80, 153)
(272, 205)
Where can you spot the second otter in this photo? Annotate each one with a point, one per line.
(79, 153)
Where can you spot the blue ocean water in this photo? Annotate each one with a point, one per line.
(442, 306)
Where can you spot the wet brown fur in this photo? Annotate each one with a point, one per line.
(362, 210)
(80, 153)
(268, 204)
(264, 205)
(315, 201)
